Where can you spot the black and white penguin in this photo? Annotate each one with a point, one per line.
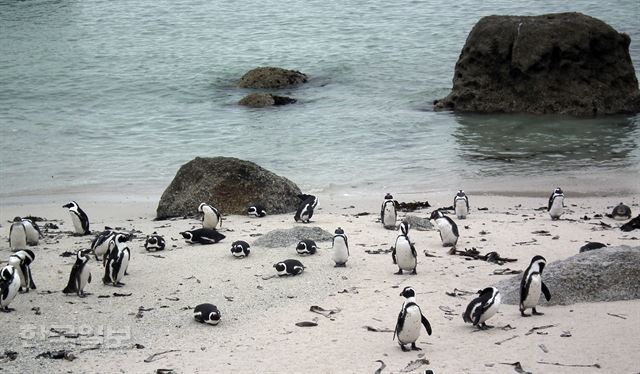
(409, 321)
(306, 247)
(17, 236)
(404, 253)
(21, 261)
(340, 247)
(32, 230)
(80, 274)
(388, 214)
(79, 218)
(207, 313)
(556, 204)
(621, 212)
(240, 249)
(531, 285)
(100, 244)
(461, 205)
(202, 236)
(447, 228)
(117, 261)
(257, 210)
(289, 267)
(154, 243)
(211, 217)
(9, 286)
(483, 307)
(305, 208)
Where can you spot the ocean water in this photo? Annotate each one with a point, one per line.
(112, 97)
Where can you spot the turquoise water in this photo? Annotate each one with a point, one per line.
(115, 96)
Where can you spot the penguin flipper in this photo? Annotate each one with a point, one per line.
(89, 280)
(32, 285)
(399, 324)
(426, 324)
(393, 255)
(550, 202)
(545, 291)
(71, 284)
(413, 249)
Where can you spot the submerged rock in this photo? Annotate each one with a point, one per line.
(262, 99)
(272, 77)
(290, 237)
(229, 184)
(606, 274)
(566, 63)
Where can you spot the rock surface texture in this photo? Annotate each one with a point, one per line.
(229, 184)
(290, 237)
(262, 99)
(272, 77)
(566, 63)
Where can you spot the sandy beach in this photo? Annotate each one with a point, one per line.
(258, 331)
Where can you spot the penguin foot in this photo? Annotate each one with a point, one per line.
(22, 290)
(536, 313)
(414, 347)
(524, 314)
(82, 295)
(119, 284)
(7, 310)
(403, 348)
(399, 272)
(484, 326)
(126, 273)
(340, 266)
(414, 272)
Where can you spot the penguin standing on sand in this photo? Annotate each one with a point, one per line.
(461, 205)
(409, 321)
(211, 217)
(21, 261)
(621, 212)
(32, 230)
(305, 208)
(289, 267)
(207, 313)
(80, 274)
(388, 214)
(404, 253)
(240, 249)
(117, 262)
(531, 285)
(9, 286)
(154, 243)
(340, 248)
(556, 204)
(447, 228)
(483, 307)
(79, 218)
(202, 236)
(257, 210)
(306, 247)
(17, 236)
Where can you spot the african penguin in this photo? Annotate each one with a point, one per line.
(461, 205)
(404, 253)
(79, 218)
(257, 210)
(409, 320)
(621, 212)
(340, 248)
(18, 236)
(240, 249)
(154, 243)
(483, 307)
(100, 243)
(531, 285)
(21, 261)
(556, 204)
(211, 217)
(289, 267)
(117, 262)
(305, 208)
(631, 225)
(306, 247)
(388, 214)
(202, 236)
(207, 313)
(9, 286)
(80, 274)
(32, 230)
(447, 228)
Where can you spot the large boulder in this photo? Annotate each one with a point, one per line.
(606, 274)
(262, 99)
(566, 63)
(229, 184)
(271, 77)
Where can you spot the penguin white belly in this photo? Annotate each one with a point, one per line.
(18, 237)
(13, 291)
(461, 210)
(32, 234)
(493, 309)
(340, 253)
(534, 292)
(15, 262)
(102, 248)
(389, 217)
(84, 277)
(77, 224)
(446, 232)
(210, 220)
(556, 208)
(123, 267)
(411, 328)
(404, 256)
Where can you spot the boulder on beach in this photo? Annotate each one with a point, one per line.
(263, 99)
(565, 63)
(289, 237)
(272, 77)
(606, 274)
(229, 184)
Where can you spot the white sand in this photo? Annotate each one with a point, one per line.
(258, 332)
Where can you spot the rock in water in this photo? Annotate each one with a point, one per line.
(261, 100)
(607, 274)
(229, 184)
(271, 77)
(566, 63)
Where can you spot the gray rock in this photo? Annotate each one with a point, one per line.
(566, 63)
(272, 77)
(290, 237)
(262, 99)
(607, 274)
(229, 184)
(418, 223)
